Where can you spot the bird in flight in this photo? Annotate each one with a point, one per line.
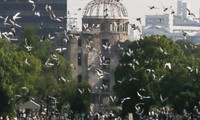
(26, 62)
(161, 99)
(139, 20)
(16, 16)
(152, 7)
(135, 27)
(124, 99)
(28, 47)
(168, 65)
(25, 89)
(113, 98)
(61, 49)
(166, 8)
(190, 13)
(142, 97)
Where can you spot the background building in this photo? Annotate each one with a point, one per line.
(182, 7)
(177, 27)
(47, 16)
(94, 50)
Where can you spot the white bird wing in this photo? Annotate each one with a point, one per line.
(58, 49)
(63, 79)
(31, 1)
(16, 16)
(54, 57)
(168, 65)
(17, 95)
(137, 107)
(50, 64)
(33, 7)
(26, 61)
(161, 50)
(25, 40)
(25, 88)
(47, 63)
(64, 48)
(12, 22)
(161, 98)
(99, 72)
(104, 46)
(124, 99)
(139, 94)
(37, 13)
(112, 98)
(52, 97)
(80, 90)
(6, 19)
(17, 25)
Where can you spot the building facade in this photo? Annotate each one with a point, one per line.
(96, 53)
(176, 27)
(47, 16)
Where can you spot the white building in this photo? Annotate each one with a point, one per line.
(173, 26)
(182, 7)
(72, 21)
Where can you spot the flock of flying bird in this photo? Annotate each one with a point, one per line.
(132, 65)
(101, 73)
(164, 9)
(53, 60)
(12, 23)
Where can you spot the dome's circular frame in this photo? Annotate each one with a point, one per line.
(110, 8)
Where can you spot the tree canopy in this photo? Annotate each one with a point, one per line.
(32, 68)
(156, 72)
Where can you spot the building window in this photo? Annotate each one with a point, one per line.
(79, 78)
(102, 26)
(104, 41)
(110, 26)
(79, 59)
(105, 84)
(106, 64)
(79, 42)
(106, 46)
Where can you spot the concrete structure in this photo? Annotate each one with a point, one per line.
(93, 52)
(174, 26)
(182, 7)
(104, 25)
(72, 21)
(47, 16)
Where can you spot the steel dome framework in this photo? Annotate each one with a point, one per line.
(109, 8)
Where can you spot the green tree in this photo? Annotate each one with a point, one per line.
(189, 48)
(32, 68)
(81, 101)
(54, 80)
(16, 73)
(153, 67)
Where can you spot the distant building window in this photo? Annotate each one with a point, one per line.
(104, 41)
(79, 78)
(79, 59)
(102, 26)
(105, 44)
(110, 26)
(105, 84)
(106, 63)
(79, 42)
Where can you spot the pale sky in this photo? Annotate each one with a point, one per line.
(139, 8)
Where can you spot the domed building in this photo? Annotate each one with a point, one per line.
(107, 17)
(95, 53)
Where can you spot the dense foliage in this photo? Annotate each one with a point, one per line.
(32, 68)
(155, 72)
